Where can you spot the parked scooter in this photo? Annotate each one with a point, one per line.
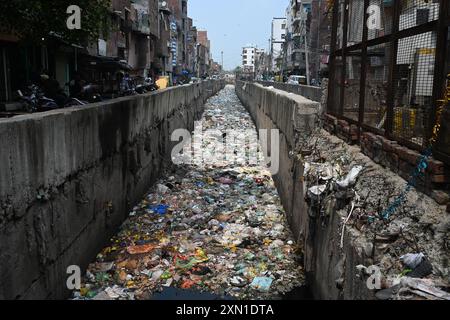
(147, 86)
(141, 89)
(52, 90)
(90, 93)
(150, 84)
(127, 87)
(73, 102)
(35, 100)
(67, 102)
(84, 92)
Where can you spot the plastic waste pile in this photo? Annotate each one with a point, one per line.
(329, 187)
(218, 228)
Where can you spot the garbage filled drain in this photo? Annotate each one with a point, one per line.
(210, 231)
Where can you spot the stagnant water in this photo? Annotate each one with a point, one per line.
(211, 228)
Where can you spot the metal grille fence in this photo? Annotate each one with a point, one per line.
(389, 63)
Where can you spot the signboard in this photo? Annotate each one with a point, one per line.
(101, 47)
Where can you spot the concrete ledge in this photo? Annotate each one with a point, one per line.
(309, 92)
(68, 178)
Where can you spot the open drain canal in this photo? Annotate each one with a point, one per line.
(212, 229)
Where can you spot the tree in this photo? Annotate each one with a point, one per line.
(33, 20)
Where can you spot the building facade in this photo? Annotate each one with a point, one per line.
(295, 48)
(164, 55)
(262, 63)
(248, 59)
(179, 28)
(319, 42)
(146, 38)
(192, 50)
(307, 47)
(278, 38)
(203, 53)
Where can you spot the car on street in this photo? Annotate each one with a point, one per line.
(297, 80)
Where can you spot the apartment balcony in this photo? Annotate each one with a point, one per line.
(140, 27)
(141, 22)
(299, 43)
(300, 17)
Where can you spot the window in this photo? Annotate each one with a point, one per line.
(283, 26)
(283, 36)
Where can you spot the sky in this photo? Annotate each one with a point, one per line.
(233, 24)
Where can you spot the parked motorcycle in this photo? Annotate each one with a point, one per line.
(90, 93)
(147, 86)
(141, 89)
(35, 100)
(127, 87)
(73, 102)
(150, 84)
(84, 93)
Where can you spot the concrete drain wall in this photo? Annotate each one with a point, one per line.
(68, 178)
(330, 269)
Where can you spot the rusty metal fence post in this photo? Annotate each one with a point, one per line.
(332, 66)
(362, 90)
(344, 58)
